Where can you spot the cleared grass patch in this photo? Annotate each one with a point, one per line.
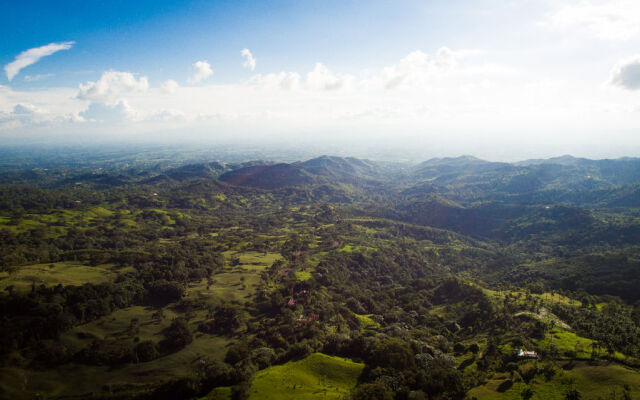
(303, 275)
(64, 273)
(121, 325)
(569, 343)
(349, 248)
(366, 322)
(256, 258)
(237, 283)
(318, 376)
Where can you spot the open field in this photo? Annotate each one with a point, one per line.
(318, 376)
(123, 325)
(567, 342)
(234, 283)
(52, 274)
(544, 297)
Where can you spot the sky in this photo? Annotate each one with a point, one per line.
(502, 80)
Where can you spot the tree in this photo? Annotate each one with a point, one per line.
(372, 391)
(572, 394)
(226, 319)
(162, 292)
(526, 394)
(145, 351)
(177, 335)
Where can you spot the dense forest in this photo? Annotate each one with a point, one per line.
(328, 278)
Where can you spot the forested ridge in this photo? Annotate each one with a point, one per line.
(124, 280)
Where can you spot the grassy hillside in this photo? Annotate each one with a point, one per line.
(317, 376)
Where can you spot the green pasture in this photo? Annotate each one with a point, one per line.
(317, 376)
(567, 342)
(124, 326)
(235, 284)
(52, 274)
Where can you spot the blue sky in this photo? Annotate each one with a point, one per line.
(160, 38)
(533, 77)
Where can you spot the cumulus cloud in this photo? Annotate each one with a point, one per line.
(117, 113)
(32, 56)
(606, 19)
(111, 86)
(200, 70)
(418, 67)
(249, 60)
(320, 78)
(626, 74)
(169, 87)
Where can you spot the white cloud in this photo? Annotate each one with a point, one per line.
(118, 113)
(200, 70)
(626, 74)
(32, 56)
(167, 116)
(465, 53)
(282, 80)
(169, 87)
(249, 60)
(320, 78)
(39, 77)
(606, 19)
(418, 68)
(488, 69)
(26, 114)
(111, 86)
(26, 109)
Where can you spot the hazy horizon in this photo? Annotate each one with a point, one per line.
(271, 152)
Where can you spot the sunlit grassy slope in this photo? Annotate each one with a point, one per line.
(318, 376)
